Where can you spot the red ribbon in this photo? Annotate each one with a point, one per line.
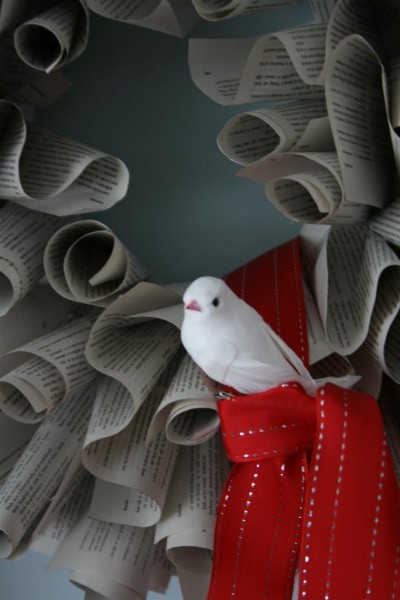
(312, 487)
(272, 284)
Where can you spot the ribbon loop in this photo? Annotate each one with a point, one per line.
(269, 424)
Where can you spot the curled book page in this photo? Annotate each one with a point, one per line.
(175, 17)
(187, 411)
(86, 262)
(191, 554)
(383, 339)
(71, 499)
(11, 13)
(215, 10)
(113, 412)
(82, 179)
(278, 66)
(288, 65)
(15, 74)
(300, 126)
(23, 236)
(376, 22)
(132, 476)
(358, 109)
(29, 487)
(188, 518)
(192, 421)
(131, 347)
(14, 438)
(41, 373)
(39, 312)
(356, 281)
(393, 69)
(161, 570)
(367, 147)
(119, 567)
(387, 223)
(54, 37)
(391, 87)
(306, 187)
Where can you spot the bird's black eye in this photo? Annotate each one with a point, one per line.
(215, 302)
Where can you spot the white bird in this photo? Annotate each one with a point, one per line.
(233, 345)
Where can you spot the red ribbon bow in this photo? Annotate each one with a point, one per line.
(312, 488)
(311, 475)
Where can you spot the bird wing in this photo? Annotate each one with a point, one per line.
(287, 352)
(250, 376)
(218, 359)
(305, 376)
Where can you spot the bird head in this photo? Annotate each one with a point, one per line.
(206, 296)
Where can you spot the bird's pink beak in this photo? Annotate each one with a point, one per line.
(193, 305)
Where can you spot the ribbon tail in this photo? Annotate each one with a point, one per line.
(351, 532)
(258, 530)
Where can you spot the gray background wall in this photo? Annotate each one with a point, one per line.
(185, 214)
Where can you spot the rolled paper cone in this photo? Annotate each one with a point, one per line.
(116, 262)
(247, 138)
(85, 261)
(48, 41)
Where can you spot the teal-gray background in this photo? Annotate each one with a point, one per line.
(185, 214)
